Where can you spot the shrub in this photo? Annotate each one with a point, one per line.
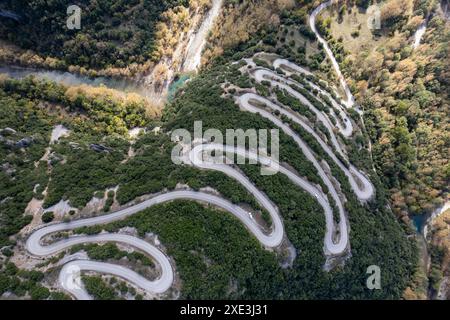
(48, 217)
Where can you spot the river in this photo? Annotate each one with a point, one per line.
(192, 60)
(72, 79)
(428, 221)
(420, 32)
(10, 15)
(198, 41)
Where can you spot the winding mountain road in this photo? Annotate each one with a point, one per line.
(312, 24)
(364, 190)
(347, 128)
(267, 75)
(67, 278)
(330, 246)
(336, 240)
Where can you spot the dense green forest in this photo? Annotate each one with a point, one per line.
(114, 33)
(200, 98)
(376, 236)
(25, 283)
(18, 170)
(213, 253)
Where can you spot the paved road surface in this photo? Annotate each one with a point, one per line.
(67, 277)
(312, 24)
(363, 192)
(347, 128)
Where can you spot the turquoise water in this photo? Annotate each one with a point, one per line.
(419, 221)
(175, 85)
(422, 219)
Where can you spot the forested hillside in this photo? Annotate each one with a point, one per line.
(401, 79)
(439, 234)
(114, 34)
(405, 93)
(77, 172)
(114, 150)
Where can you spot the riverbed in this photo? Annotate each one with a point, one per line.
(72, 79)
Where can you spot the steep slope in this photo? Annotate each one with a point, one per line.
(324, 216)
